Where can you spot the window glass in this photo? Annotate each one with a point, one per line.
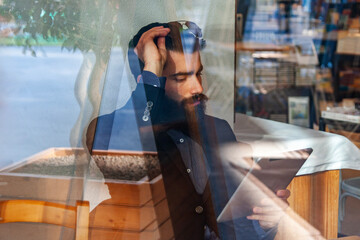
(179, 119)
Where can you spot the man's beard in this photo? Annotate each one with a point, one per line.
(194, 107)
(185, 114)
(196, 104)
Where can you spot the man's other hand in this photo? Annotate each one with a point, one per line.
(271, 210)
(153, 54)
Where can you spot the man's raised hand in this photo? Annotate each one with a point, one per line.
(153, 55)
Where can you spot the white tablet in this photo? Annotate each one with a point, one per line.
(257, 184)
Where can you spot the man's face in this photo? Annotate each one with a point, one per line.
(183, 76)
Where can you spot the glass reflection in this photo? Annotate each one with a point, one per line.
(156, 116)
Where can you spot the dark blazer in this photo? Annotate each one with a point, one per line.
(129, 128)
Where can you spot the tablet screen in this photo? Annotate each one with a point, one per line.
(272, 174)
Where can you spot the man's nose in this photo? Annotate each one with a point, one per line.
(196, 85)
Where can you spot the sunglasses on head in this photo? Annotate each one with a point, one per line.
(193, 29)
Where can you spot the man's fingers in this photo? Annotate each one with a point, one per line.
(268, 210)
(149, 36)
(161, 43)
(162, 48)
(268, 205)
(268, 218)
(153, 33)
(283, 193)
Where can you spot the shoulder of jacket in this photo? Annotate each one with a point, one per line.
(215, 120)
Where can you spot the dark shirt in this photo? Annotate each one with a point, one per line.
(196, 186)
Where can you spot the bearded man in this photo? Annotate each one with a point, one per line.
(166, 114)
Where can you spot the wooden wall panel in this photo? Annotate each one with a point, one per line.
(315, 199)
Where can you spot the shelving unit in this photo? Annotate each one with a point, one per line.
(274, 79)
(346, 76)
(274, 72)
(326, 25)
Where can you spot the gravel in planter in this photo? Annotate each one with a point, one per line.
(122, 167)
(128, 167)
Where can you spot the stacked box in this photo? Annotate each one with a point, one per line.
(137, 208)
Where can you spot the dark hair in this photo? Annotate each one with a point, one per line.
(184, 37)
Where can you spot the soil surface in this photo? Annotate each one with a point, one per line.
(122, 167)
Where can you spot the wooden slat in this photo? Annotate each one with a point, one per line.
(162, 211)
(35, 231)
(166, 230)
(300, 197)
(37, 211)
(157, 189)
(120, 217)
(315, 198)
(163, 232)
(325, 186)
(129, 218)
(129, 193)
(82, 220)
(34, 211)
(42, 188)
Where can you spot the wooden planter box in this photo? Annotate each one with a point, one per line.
(136, 210)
